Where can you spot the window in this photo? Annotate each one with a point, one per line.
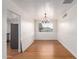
(45, 27)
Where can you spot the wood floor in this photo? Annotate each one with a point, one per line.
(11, 52)
(44, 50)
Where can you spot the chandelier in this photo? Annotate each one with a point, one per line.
(45, 19)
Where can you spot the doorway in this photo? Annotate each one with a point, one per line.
(12, 44)
(13, 34)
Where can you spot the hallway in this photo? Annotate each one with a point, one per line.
(50, 49)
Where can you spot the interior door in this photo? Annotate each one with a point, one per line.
(14, 36)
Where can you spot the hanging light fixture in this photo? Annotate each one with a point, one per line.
(46, 13)
(45, 19)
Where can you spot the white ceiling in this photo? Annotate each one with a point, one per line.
(35, 5)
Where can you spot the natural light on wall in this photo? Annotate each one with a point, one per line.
(46, 9)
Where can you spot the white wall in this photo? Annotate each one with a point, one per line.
(8, 27)
(67, 30)
(27, 33)
(46, 35)
(26, 27)
(4, 29)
